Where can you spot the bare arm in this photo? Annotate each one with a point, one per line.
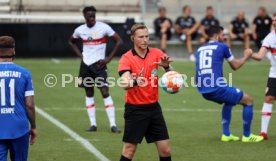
(30, 106)
(235, 64)
(260, 55)
(119, 43)
(72, 43)
(127, 81)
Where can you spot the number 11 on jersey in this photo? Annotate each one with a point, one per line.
(3, 92)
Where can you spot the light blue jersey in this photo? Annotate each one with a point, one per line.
(15, 85)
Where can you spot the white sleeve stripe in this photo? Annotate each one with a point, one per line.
(29, 93)
(230, 58)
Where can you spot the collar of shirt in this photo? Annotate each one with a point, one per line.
(134, 52)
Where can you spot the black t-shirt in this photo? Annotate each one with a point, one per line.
(185, 22)
(207, 22)
(157, 25)
(263, 25)
(239, 26)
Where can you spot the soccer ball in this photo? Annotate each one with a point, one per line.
(172, 82)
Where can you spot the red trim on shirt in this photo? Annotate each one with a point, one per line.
(272, 50)
(95, 41)
(266, 113)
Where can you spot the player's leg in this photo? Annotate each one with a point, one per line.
(247, 103)
(267, 106)
(3, 150)
(19, 148)
(226, 113)
(102, 84)
(109, 108)
(266, 115)
(128, 151)
(136, 124)
(189, 47)
(164, 150)
(157, 132)
(86, 82)
(91, 108)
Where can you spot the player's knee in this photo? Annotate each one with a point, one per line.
(89, 92)
(269, 99)
(105, 92)
(165, 152)
(129, 151)
(247, 100)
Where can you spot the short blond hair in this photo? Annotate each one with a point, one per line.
(136, 27)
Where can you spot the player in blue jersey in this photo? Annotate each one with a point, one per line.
(212, 86)
(16, 105)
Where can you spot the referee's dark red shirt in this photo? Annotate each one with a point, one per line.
(132, 62)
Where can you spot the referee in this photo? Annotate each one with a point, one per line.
(143, 115)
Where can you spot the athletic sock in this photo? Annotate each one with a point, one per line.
(110, 110)
(165, 158)
(247, 119)
(91, 110)
(226, 118)
(124, 158)
(266, 115)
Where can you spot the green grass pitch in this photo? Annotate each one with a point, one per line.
(194, 124)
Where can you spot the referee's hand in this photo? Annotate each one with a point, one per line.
(164, 62)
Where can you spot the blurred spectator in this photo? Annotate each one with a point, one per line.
(261, 26)
(162, 26)
(238, 30)
(209, 20)
(186, 28)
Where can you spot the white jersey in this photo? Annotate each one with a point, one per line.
(94, 41)
(270, 43)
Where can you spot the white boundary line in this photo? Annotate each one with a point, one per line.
(86, 144)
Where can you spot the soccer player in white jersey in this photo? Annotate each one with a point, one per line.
(93, 65)
(269, 49)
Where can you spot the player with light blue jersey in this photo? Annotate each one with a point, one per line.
(213, 87)
(16, 105)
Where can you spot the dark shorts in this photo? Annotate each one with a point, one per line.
(144, 121)
(17, 148)
(91, 75)
(228, 95)
(271, 87)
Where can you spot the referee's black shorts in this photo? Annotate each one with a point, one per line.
(271, 87)
(144, 121)
(92, 74)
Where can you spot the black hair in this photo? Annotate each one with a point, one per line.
(213, 30)
(89, 8)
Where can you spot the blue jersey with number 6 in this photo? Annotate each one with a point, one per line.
(209, 66)
(15, 85)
